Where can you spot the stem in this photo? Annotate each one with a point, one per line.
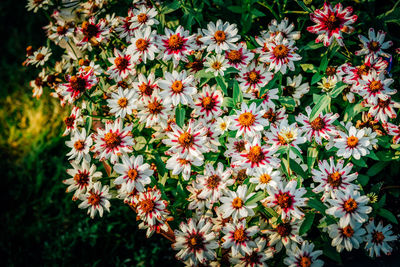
(269, 8)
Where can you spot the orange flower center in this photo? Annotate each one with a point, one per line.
(112, 140)
(305, 261)
(208, 102)
(350, 205)
(216, 65)
(352, 141)
(147, 205)
(79, 145)
(332, 22)
(196, 242)
(253, 77)
(121, 63)
(330, 71)
(265, 178)
(377, 237)
(247, 119)
(234, 56)
(280, 51)
(362, 70)
(284, 229)
(142, 18)
(61, 30)
(141, 44)
(256, 154)
(285, 200)
(77, 83)
(282, 140)
(94, 199)
(69, 121)
(213, 181)
(186, 140)
(39, 56)
(374, 46)
(183, 161)
(132, 174)
(123, 102)
(317, 124)
(175, 42)
(219, 36)
(348, 231)
(177, 87)
(239, 235)
(89, 30)
(146, 89)
(375, 86)
(270, 115)
(155, 107)
(335, 179)
(237, 203)
(82, 179)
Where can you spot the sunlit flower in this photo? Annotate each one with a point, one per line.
(179, 164)
(151, 208)
(258, 256)
(143, 18)
(234, 203)
(374, 86)
(92, 33)
(153, 111)
(39, 57)
(216, 64)
(283, 28)
(145, 86)
(122, 66)
(253, 78)
(248, 120)
(220, 36)
(72, 121)
(238, 238)
(239, 57)
(122, 103)
(177, 88)
(283, 233)
(354, 143)
(77, 85)
(80, 144)
(266, 176)
(96, 199)
(143, 45)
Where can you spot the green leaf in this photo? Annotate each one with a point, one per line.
(388, 215)
(294, 166)
(235, 9)
(160, 165)
(322, 103)
(338, 89)
(317, 204)
(260, 195)
(324, 64)
(228, 102)
(363, 179)
(307, 223)
(221, 83)
(331, 252)
(316, 78)
(237, 93)
(288, 102)
(359, 162)
(312, 154)
(377, 168)
(171, 7)
(180, 113)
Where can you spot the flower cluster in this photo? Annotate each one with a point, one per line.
(217, 136)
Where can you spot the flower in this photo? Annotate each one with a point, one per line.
(133, 172)
(146, 86)
(374, 86)
(393, 130)
(222, 125)
(237, 238)
(77, 85)
(216, 64)
(208, 103)
(264, 176)
(287, 199)
(349, 206)
(92, 33)
(283, 28)
(187, 143)
(383, 110)
(154, 111)
(327, 83)
(177, 88)
(178, 165)
(248, 120)
(257, 258)
(80, 144)
(143, 46)
(143, 18)
(122, 66)
(283, 233)
(239, 57)
(320, 128)
(113, 141)
(377, 238)
(176, 45)
(330, 22)
(220, 37)
(253, 78)
(72, 121)
(304, 256)
(295, 89)
(234, 203)
(96, 199)
(332, 177)
(35, 5)
(82, 177)
(38, 83)
(214, 182)
(346, 235)
(374, 44)
(122, 102)
(352, 144)
(39, 57)
(196, 241)
(151, 208)
(280, 55)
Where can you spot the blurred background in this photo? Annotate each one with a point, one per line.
(40, 225)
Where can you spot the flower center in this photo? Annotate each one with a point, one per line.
(374, 46)
(216, 65)
(79, 145)
(186, 140)
(375, 86)
(94, 199)
(39, 82)
(183, 161)
(39, 56)
(270, 115)
(305, 261)
(350, 205)
(256, 154)
(284, 229)
(282, 140)
(330, 71)
(234, 56)
(284, 200)
(146, 89)
(77, 83)
(123, 84)
(123, 102)
(121, 63)
(175, 42)
(208, 102)
(247, 119)
(69, 121)
(155, 107)
(239, 235)
(332, 22)
(280, 51)
(335, 179)
(132, 174)
(112, 140)
(147, 205)
(241, 176)
(142, 18)
(213, 181)
(141, 44)
(61, 30)
(352, 141)
(288, 90)
(378, 237)
(239, 146)
(317, 124)
(348, 231)
(265, 178)
(89, 30)
(82, 179)
(362, 70)
(177, 87)
(196, 242)
(237, 203)
(383, 103)
(253, 77)
(219, 36)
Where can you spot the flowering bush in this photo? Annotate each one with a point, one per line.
(238, 149)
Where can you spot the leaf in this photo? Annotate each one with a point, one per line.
(228, 102)
(317, 204)
(312, 154)
(363, 179)
(260, 195)
(171, 7)
(288, 102)
(160, 165)
(324, 64)
(294, 166)
(331, 252)
(316, 78)
(338, 89)
(221, 83)
(359, 162)
(388, 215)
(180, 113)
(307, 223)
(322, 103)
(237, 93)
(235, 9)
(377, 168)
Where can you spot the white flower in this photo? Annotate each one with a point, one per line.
(146, 86)
(222, 125)
(216, 64)
(153, 111)
(122, 66)
(143, 46)
(239, 57)
(143, 18)
(346, 235)
(248, 120)
(304, 256)
(178, 165)
(122, 102)
(253, 77)
(80, 144)
(220, 37)
(295, 89)
(177, 88)
(72, 121)
(234, 203)
(375, 86)
(327, 83)
(258, 256)
(264, 176)
(96, 199)
(283, 233)
(151, 208)
(39, 57)
(374, 44)
(352, 144)
(283, 28)
(377, 239)
(208, 103)
(237, 237)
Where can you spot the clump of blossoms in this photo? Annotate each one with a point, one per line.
(242, 151)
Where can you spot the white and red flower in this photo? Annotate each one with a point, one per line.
(208, 103)
(177, 88)
(220, 36)
(248, 120)
(122, 66)
(234, 203)
(374, 44)
(377, 239)
(96, 199)
(238, 238)
(77, 85)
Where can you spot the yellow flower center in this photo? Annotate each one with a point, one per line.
(239, 235)
(352, 141)
(375, 86)
(123, 102)
(112, 140)
(256, 154)
(79, 145)
(186, 140)
(219, 36)
(335, 179)
(175, 42)
(177, 87)
(247, 119)
(265, 178)
(237, 203)
(121, 63)
(280, 51)
(350, 205)
(141, 44)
